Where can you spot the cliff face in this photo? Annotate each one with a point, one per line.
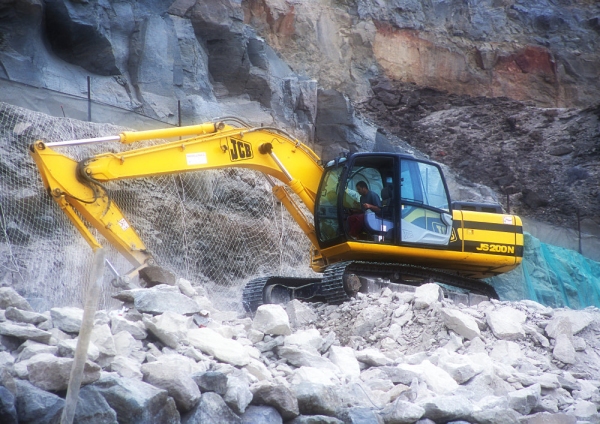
(306, 66)
(540, 51)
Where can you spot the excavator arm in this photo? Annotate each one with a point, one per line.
(78, 187)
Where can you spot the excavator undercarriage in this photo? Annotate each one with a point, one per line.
(343, 280)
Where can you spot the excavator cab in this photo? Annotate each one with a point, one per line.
(415, 205)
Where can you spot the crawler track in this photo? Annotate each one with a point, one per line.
(332, 288)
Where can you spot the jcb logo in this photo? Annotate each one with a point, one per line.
(240, 150)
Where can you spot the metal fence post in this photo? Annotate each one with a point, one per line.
(89, 95)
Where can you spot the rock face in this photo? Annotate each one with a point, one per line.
(434, 367)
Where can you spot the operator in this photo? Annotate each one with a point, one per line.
(369, 201)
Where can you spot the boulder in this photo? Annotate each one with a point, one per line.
(261, 414)
(8, 411)
(345, 360)
(9, 297)
(524, 400)
(238, 395)
(316, 399)
(372, 357)
(136, 328)
(35, 405)
(211, 381)
(310, 339)
(427, 295)
(27, 317)
(447, 408)
(211, 409)
(367, 320)
(136, 401)
(272, 319)
(402, 412)
(170, 328)
(299, 314)
(507, 323)
(461, 323)
(177, 381)
(300, 357)
(24, 332)
(159, 299)
(126, 367)
(67, 319)
(50, 373)
(277, 396)
(92, 408)
(212, 343)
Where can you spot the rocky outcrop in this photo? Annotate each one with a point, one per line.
(530, 51)
(424, 358)
(542, 160)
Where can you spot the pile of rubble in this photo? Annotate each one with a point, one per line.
(169, 356)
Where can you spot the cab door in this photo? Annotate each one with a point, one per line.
(424, 204)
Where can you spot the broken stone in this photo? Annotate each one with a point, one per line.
(272, 319)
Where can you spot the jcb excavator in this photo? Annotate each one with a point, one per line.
(416, 235)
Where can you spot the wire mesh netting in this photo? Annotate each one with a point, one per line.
(215, 228)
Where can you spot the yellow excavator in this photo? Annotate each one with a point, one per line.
(414, 234)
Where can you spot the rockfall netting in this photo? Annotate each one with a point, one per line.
(552, 276)
(214, 228)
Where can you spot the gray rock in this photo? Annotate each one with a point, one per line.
(24, 332)
(126, 367)
(359, 415)
(426, 295)
(300, 357)
(578, 320)
(66, 349)
(372, 357)
(547, 418)
(367, 320)
(92, 408)
(261, 415)
(564, 350)
(316, 399)
(103, 339)
(48, 372)
(507, 323)
(9, 297)
(137, 402)
(279, 397)
(211, 381)
(136, 328)
(175, 380)
(345, 360)
(67, 319)
(37, 406)
(8, 411)
(238, 395)
(315, 419)
(310, 339)
(402, 412)
(299, 314)
(461, 323)
(27, 317)
(497, 415)
(272, 319)
(223, 349)
(170, 328)
(211, 409)
(524, 400)
(30, 348)
(158, 300)
(446, 408)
